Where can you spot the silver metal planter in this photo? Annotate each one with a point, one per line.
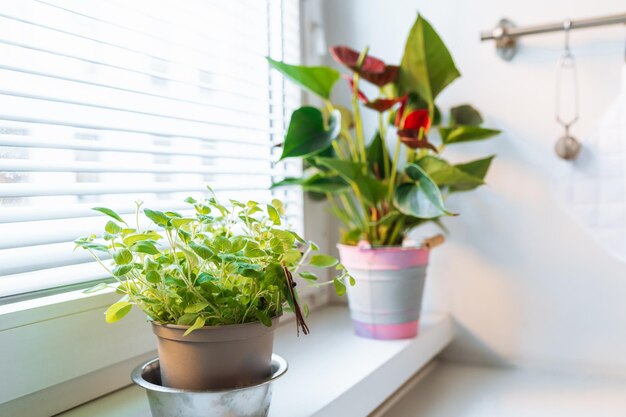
(250, 401)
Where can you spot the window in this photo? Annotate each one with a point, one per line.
(103, 103)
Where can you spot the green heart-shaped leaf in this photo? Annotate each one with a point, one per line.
(307, 135)
(323, 261)
(117, 311)
(319, 80)
(421, 198)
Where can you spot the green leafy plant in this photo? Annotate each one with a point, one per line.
(378, 190)
(222, 265)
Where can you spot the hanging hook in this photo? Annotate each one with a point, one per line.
(567, 147)
(567, 26)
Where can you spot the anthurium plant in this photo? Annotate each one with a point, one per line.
(384, 184)
(224, 264)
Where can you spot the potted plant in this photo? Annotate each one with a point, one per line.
(213, 285)
(383, 185)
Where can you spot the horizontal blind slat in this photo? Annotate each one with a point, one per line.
(156, 77)
(10, 214)
(20, 165)
(34, 258)
(14, 284)
(257, 151)
(122, 18)
(27, 190)
(83, 42)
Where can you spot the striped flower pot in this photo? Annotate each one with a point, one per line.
(385, 303)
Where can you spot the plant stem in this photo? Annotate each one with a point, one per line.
(396, 230)
(347, 220)
(394, 169)
(382, 132)
(302, 259)
(351, 145)
(358, 125)
(354, 212)
(338, 150)
(410, 156)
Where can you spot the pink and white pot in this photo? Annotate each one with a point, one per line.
(386, 301)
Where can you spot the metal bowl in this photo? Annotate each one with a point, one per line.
(249, 401)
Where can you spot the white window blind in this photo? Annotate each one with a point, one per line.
(106, 102)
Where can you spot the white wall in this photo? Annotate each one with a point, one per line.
(525, 284)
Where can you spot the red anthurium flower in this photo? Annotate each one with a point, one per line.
(383, 104)
(416, 121)
(373, 69)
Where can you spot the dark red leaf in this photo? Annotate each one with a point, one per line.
(410, 137)
(360, 93)
(349, 57)
(390, 74)
(373, 69)
(383, 104)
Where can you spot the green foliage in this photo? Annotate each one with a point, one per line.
(477, 169)
(319, 80)
(445, 174)
(465, 114)
(317, 183)
(323, 261)
(377, 157)
(420, 198)
(427, 66)
(117, 311)
(460, 134)
(109, 213)
(307, 135)
(377, 190)
(223, 265)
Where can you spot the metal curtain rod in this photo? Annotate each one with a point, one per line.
(506, 33)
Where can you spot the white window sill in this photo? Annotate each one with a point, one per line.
(331, 372)
(471, 391)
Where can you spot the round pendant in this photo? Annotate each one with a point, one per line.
(567, 147)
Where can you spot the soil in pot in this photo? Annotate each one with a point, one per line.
(214, 357)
